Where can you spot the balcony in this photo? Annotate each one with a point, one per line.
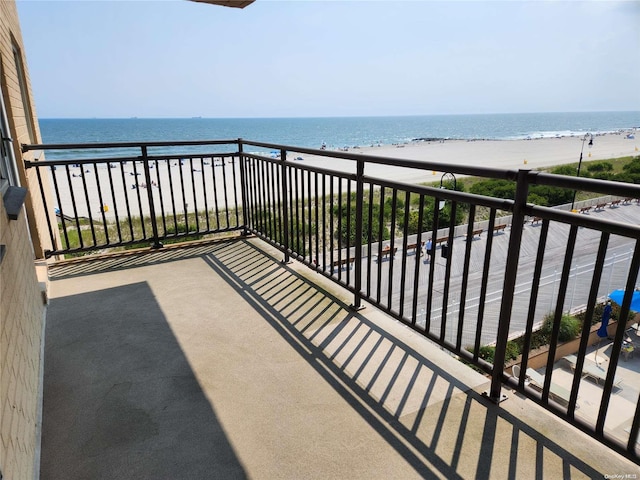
(219, 361)
(254, 339)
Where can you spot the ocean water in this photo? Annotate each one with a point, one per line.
(335, 132)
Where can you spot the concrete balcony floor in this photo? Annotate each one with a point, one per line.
(218, 361)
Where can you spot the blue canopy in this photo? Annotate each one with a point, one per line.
(618, 295)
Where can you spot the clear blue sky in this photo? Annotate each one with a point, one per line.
(176, 58)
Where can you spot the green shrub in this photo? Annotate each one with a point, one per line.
(631, 172)
(600, 167)
(633, 166)
(569, 170)
(488, 352)
(495, 188)
(538, 339)
(538, 194)
(597, 314)
(513, 350)
(569, 327)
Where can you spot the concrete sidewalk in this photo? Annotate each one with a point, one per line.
(220, 362)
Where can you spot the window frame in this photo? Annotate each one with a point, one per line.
(8, 167)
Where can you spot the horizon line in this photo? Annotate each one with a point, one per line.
(330, 116)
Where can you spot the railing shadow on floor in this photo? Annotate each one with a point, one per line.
(409, 400)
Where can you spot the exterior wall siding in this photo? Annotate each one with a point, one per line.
(10, 35)
(21, 301)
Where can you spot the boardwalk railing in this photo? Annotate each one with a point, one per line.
(397, 245)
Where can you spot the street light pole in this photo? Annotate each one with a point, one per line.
(450, 177)
(587, 135)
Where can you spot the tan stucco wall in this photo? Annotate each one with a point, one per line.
(21, 302)
(21, 330)
(10, 35)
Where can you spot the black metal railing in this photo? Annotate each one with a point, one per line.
(120, 201)
(469, 272)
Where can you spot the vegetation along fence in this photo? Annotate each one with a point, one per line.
(468, 271)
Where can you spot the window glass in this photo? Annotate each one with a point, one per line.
(7, 160)
(26, 105)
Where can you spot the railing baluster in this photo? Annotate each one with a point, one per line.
(74, 206)
(416, 273)
(309, 216)
(325, 240)
(586, 327)
(617, 344)
(263, 199)
(226, 192)
(483, 286)
(300, 201)
(465, 273)
(292, 228)
(243, 186)
(537, 272)
(259, 197)
(285, 207)
(275, 204)
(405, 235)
(392, 246)
(204, 195)
(279, 199)
(369, 239)
(115, 203)
(196, 216)
(432, 264)
(52, 236)
(152, 208)
(126, 200)
(266, 199)
(253, 215)
(173, 198)
(347, 236)
(447, 272)
(314, 259)
(357, 300)
(158, 185)
(562, 292)
(88, 205)
(46, 207)
(101, 203)
(381, 227)
(245, 198)
(140, 209)
(340, 199)
(508, 289)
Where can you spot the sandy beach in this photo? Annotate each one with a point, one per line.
(505, 154)
(209, 175)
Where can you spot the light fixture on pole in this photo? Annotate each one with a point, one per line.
(450, 178)
(584, 139)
